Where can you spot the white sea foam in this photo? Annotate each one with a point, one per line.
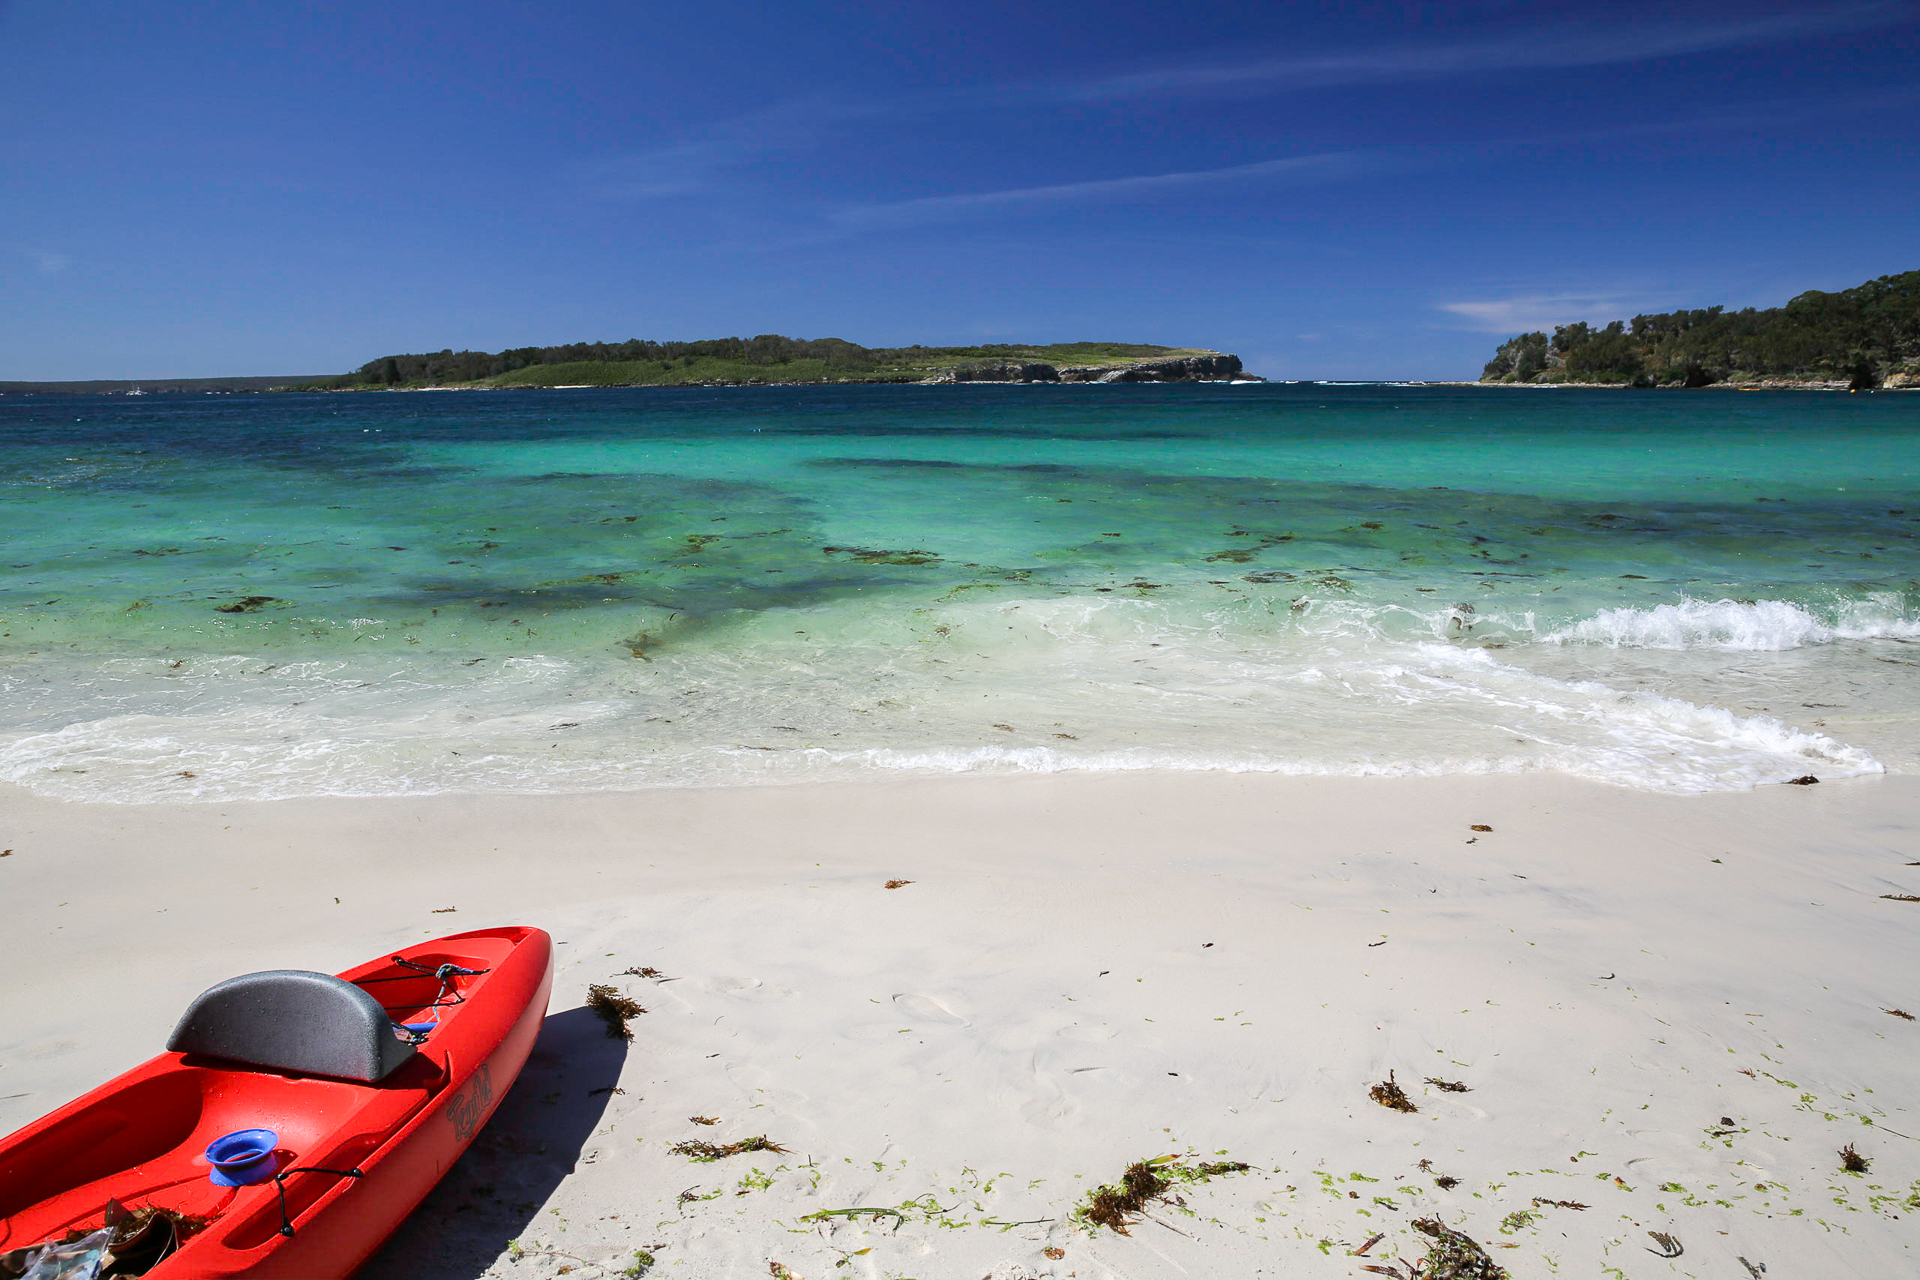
(1739, 624)
(1044, 684)
(1724, 625)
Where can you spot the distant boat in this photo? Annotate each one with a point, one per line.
(136, 390)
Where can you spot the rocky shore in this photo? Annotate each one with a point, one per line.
(1897, 382)
(1213, 366)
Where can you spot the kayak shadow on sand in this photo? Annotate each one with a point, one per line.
(495, 1191)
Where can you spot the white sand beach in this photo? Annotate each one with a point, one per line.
(1670, 1010)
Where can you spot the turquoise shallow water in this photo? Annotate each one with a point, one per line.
(220, 596)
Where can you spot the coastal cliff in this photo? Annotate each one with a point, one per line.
(771, 359)
(1211, 367)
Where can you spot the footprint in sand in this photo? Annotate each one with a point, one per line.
(1094, 1035)
(752, 990)
(1681, 1158)
(927, 1009)
(1047, 1106)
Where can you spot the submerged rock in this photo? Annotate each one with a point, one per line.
(866, 555)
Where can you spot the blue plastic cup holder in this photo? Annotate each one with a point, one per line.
(242, 1158)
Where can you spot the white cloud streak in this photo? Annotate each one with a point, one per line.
(1541, 311)
(47, 264)
(1571, 45)
(957, 208)
(690, 167)
(705, 164)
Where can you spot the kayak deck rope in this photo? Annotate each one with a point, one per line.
(280, 1185)
(416, 1033)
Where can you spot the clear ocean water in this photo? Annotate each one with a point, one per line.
(214, 597)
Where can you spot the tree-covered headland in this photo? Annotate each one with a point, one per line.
(768, 358)
(1866, 337)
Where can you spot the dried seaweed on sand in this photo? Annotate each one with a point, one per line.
(695, 1150)
(1120, 1206)
(615, 1009)
(1453, 1255)
(1391, 1095)
(1445, 1181)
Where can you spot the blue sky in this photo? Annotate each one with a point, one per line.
(1330, 190)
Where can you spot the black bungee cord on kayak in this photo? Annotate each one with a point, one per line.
(416, 1033)
(280, 1185)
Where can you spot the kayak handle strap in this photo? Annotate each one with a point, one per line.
(440, 972)
(280, 1185)
(445, 974)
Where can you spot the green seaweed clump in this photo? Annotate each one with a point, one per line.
(707, 1151)
(1453, 1255)
(1119, 1206)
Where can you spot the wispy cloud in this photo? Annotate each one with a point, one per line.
(713, 159)
(955, 208)
(699, 163)
(1544, 311)
(654, 175)
(47, 264)
(1581, 44)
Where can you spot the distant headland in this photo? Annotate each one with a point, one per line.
(766, 360)
(1858, 340)
(771, 359)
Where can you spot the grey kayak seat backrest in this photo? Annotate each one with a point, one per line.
(293, 1020)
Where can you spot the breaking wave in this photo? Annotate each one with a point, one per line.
(1758, 625)
(1033, 685)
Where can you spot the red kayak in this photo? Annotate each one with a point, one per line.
(295, 1121)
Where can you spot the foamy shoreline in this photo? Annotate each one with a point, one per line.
(1695, 696)
(1610, 972)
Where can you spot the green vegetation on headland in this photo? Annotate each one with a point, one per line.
(1859, 338)
(770, 358)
